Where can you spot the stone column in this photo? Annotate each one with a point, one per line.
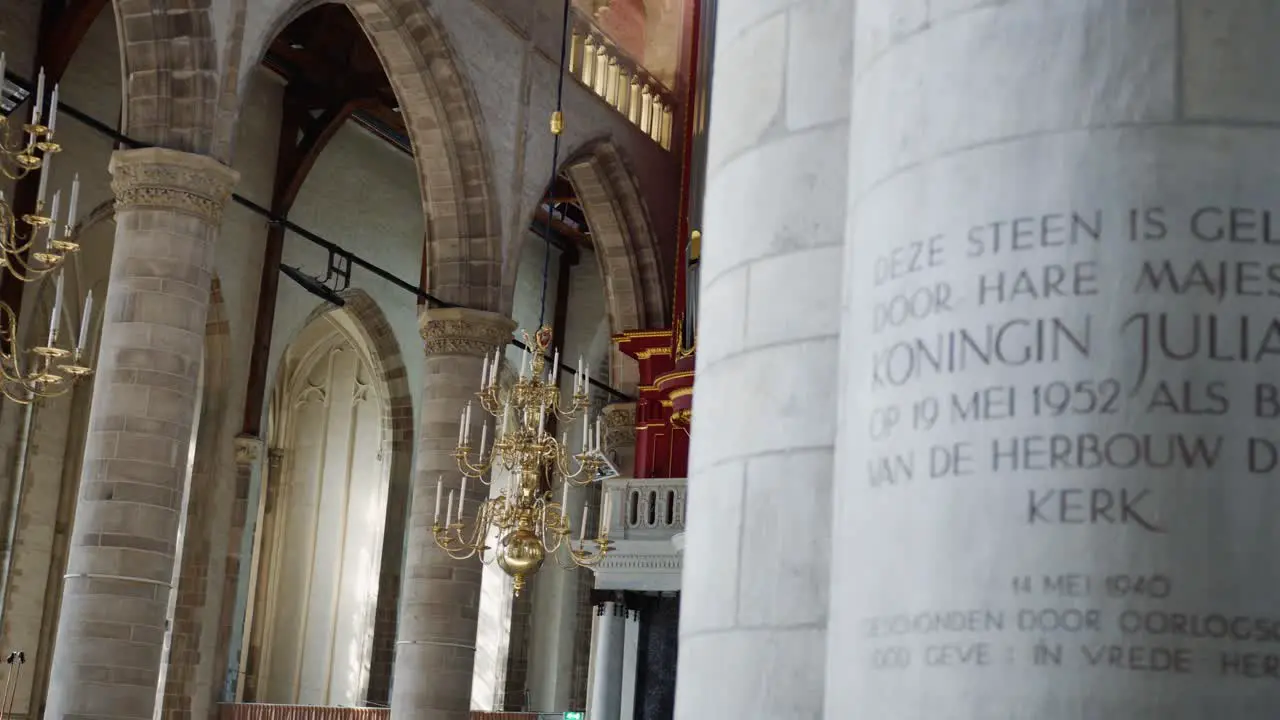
(245, 530)
(1060, 495)
(436, 634)
(120, 568)
(607, 661)
(763, 434)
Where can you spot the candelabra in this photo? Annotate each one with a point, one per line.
(40, 250)
(46, 242)
(523, 520)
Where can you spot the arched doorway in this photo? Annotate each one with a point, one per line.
(316, 598)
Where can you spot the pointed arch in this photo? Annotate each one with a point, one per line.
(362, 320)
(463, 244)
(169, 64)
(626, 246)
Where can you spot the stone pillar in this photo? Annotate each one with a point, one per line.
(120, 568)
(630, 660)
(436, 634)
(237, 609)
(607, 661)
(620, 436)
(764, 430)
(1062, 401)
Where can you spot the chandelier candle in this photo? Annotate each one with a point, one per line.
(32, 245)
(523, 524)
(83, 340)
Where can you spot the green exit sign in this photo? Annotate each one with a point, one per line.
(575, 715)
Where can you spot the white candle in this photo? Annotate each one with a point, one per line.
(53, 110)
(506, 416)
(484, 373)
(564, 497)
(462, 425)
(439, 491)
(84, 322)
(577, 378)
(46, 167)
(599, 432)
(53, 216)
(75, 203)
(605, 515)
(586, 381)
(524, 358)
(582, 532)
(484, 438)
(466, 423)
(585, 424)
(448, 511)
(542, 419)
(462, 497)
(555, 368)
(35, 112)
(1, 69)
(57, 309)
(493, 369)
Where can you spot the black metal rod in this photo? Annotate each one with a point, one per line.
(104, 129)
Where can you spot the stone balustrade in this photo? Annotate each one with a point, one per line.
(596, 61)
(646, 514)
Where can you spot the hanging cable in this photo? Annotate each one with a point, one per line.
(127, 142)
(557, 127)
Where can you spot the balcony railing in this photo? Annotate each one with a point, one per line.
(264, 711)
(646, 516)
(646, 509)
(596, 62)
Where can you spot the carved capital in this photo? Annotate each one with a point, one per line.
(160, 179)
(461, 331)
(248, 450)
(620, 424)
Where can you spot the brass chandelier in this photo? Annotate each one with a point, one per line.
(524, 524)
(32, 246)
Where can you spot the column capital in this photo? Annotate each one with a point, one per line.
(162, 179)
(462, 331)
(248, 449)
(619, 423)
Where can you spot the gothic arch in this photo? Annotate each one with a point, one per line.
(388, 366)
(169, 64)
(464, 255)
(362, 319)
(625, 244)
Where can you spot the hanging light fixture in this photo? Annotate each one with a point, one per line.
(524, 520)
(32, 246)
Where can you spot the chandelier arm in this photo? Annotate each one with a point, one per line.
(27, 273)
(472, 470)
(480, 531)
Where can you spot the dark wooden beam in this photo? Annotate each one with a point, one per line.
(302, 138)
(66, 34)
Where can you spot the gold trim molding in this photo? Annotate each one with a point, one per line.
(462, 331)
(162, 179)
